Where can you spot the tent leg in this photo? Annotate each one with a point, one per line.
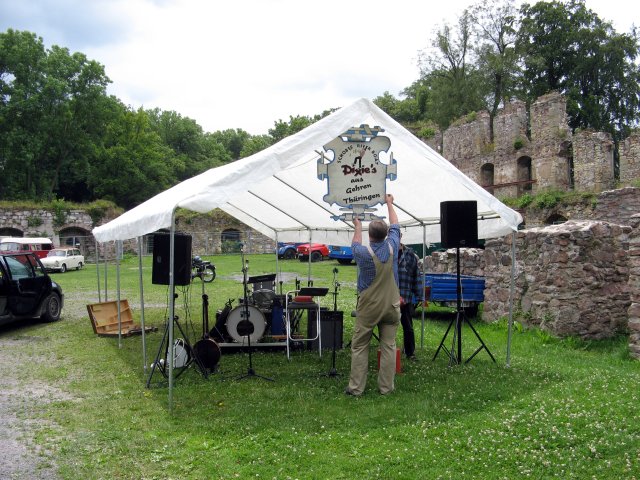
(511, 294)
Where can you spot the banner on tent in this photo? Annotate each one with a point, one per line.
(355, 175)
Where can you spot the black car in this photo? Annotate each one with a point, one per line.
(26, 291)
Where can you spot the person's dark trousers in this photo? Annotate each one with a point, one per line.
(406, 320)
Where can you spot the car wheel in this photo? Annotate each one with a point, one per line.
(79, 267)
(63, 268)
(289, 255)
(51, 308)
(316, 256)
(344, 261)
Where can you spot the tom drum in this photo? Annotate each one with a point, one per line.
(239, 327)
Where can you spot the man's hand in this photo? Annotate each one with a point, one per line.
(393, 217)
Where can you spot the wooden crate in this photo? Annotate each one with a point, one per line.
(104, 319)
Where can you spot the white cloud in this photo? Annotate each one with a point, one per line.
(247, 63)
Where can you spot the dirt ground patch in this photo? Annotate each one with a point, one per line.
(20, 457)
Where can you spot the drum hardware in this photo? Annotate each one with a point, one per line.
(219, 331)
(244, 324)
(206, 349)
(333, 372)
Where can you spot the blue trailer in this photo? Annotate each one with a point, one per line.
(441, 288)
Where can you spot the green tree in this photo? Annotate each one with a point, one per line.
(187, 141)
(495, 26)
(50, 115)
(232, 140)
(135, 163)
(568, 48)
(449, 74)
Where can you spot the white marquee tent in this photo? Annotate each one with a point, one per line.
(278, 193)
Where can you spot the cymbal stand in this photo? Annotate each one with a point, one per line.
(333, 372)
(246, 314)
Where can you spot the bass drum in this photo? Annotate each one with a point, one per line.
(239, 329)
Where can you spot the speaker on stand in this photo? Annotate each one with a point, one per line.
(181, 259)
(459, 228)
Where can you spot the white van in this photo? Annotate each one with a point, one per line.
(40, 246)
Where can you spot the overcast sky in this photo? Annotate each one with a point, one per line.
(247, 63)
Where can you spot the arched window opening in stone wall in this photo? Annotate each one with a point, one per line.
(555, 219)
(230, 240)
(75, 237)
(486, 177)
(524, 175)
(10, 232)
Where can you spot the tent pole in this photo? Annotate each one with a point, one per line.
(277, 263)
(118, 251)
(144, 337)
(106, 259)
(309, 262)
(172, 306)
(424, 248)
(98, 271)
(511, 289)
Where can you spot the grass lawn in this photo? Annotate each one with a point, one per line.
(563, 409)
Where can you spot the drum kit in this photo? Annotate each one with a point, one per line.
(257, 320)
(263, 309)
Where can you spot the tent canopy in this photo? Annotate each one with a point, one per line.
(277, 191)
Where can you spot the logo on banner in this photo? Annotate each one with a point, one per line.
(356, 177)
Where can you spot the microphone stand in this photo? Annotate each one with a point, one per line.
(333, 372)
(250, 371)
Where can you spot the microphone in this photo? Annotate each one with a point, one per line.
(335, 270)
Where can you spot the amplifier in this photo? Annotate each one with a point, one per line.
(328, 320)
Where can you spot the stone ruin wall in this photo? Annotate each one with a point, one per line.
(630, 159)
(206, 232)
(591, 263)
(596, 174)
(570, 279)
(634, 284)
(471, 262)
(615, 206)
(550, 148)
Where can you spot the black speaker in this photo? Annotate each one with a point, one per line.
(459, 223)
(181, 257)
(327, 320)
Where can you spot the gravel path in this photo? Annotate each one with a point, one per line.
(20, 458)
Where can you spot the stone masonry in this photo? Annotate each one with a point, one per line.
(570, 279)
(536, 150)
(634, 284)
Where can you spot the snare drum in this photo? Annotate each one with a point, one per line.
(237, 315)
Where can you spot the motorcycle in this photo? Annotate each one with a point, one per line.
(202, 269)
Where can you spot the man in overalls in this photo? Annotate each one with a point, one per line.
(378, 301)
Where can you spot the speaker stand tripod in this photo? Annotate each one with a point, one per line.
(455, 353)
(333, 372)
(160, 363)
(245, 326)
